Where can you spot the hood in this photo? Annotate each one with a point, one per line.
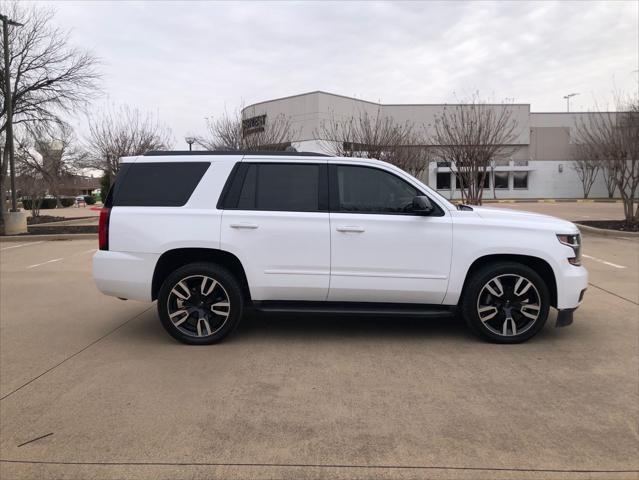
(535, 220)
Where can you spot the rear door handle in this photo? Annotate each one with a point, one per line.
(244, 225)
(350, 228)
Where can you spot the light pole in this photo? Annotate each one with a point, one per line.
(568, 97)
(190, 141)
(9, 102)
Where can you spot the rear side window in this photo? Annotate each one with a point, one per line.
(284, 187)
(161, 184)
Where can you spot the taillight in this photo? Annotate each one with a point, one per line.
(103, 229)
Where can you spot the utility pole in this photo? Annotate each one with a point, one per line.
(567, 97)
(9, 102)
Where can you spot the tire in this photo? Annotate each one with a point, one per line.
(501, 308)
(200, 303)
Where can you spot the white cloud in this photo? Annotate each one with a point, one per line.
(190, 60)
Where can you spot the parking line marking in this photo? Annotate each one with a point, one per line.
(603, 261)
(44, 263)
(21, 245)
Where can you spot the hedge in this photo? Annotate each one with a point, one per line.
(45, 203)
(49, 203)
(90, 199)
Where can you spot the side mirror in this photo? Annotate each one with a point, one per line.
(422, 206)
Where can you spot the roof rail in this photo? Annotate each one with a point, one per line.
(164, 153)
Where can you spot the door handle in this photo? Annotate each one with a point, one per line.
(350, 228)
(243, 225)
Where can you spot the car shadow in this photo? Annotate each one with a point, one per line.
(329, 327)
(257, 326)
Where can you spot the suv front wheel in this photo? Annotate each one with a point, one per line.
(200, 303)
(506, 302)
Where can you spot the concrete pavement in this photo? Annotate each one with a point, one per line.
(309, 397)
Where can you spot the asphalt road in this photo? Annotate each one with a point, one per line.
(113, 396)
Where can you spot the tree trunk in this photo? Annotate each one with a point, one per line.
(4, 166)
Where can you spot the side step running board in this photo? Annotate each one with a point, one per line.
(346, 308)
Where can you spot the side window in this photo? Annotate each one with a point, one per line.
(371, 190)
(161, 184)
(280, 187)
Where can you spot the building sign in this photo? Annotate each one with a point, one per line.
(253, 125)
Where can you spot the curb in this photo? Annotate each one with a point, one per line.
(605, 232)
(40, 238)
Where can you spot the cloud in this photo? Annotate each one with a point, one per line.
(190, 60)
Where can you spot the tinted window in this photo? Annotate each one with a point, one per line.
(281, 187)
(162, 184)
(370, 190)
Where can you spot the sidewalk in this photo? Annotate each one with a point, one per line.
(573, 211)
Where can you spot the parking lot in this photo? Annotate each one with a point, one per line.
(112, 395)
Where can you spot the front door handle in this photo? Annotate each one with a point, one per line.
(244, 225)
(350, 228)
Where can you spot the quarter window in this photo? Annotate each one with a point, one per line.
(371, 190)
(161, 184)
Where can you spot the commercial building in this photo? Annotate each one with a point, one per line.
(540, 163)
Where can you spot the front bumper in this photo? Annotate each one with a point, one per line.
(565, 316)
(572, 282)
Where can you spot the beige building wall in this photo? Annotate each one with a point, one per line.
(543, 146)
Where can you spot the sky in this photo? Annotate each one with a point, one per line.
(185, 61)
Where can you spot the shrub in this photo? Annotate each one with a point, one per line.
(67, 201)
(90, 199)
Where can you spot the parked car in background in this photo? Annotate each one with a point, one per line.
(80, 201)
(210, 234)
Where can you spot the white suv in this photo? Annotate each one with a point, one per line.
(210, 234)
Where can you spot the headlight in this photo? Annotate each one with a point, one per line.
(573, 241)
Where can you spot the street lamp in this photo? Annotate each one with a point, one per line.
(6, 21)
(568, 97)
(190, 141)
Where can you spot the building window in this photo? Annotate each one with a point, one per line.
(486, 180)
(501, 180)
(443, 180)
(520, 179)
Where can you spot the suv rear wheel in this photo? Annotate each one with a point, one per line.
(506, 303)
(200, 303)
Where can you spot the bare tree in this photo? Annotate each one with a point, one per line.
(614, 137)
(231, 132)
(32, 180)
(50, 77)
(51, 152)
(120, 131)
(587, 165)
(375, 136)
(609, 176)
(470, 136)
